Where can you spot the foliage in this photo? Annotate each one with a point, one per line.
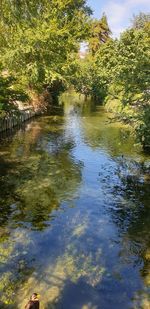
(133, 65)
(143, 128)
(38, 37)
(9, 94)
(131, 81)
(119, 70)
(95, 72)
(91, 74)
(140, 20)
(99, 34)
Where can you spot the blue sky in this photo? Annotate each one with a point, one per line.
(119, 12)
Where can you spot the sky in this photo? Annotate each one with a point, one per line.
(119, 12)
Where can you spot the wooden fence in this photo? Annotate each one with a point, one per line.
(10, 122)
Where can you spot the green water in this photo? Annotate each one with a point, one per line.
(74, 212)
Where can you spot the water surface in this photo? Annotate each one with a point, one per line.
(74, 212)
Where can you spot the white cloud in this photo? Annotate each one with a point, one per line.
(120, 14)
(139, 2)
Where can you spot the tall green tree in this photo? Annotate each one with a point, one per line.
(99, 34)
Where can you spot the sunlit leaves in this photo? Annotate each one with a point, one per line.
(37, 38)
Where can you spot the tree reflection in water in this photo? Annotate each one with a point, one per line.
(35, 169)
(128, 187)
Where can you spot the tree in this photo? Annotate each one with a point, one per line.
(139, 21)
(99, 34)
(133, 65)
(37, 38)
(119, 69)
(95, 72)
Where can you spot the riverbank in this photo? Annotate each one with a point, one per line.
(20, 111)
(9, 122)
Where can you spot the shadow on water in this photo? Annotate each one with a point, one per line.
(128, 187)
(6, 189)
(76, 295)
(133, 217)
(36, 174)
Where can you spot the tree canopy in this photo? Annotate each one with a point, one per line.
(38, 37)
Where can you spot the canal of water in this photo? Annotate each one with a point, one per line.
(74, 212)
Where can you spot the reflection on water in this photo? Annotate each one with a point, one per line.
(74, 213)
